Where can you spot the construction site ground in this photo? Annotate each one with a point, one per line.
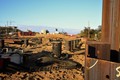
(60, 74)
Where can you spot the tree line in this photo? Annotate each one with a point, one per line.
(93, 34)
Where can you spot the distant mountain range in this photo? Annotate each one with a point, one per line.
(50, 29)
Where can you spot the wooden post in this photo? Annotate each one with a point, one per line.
(111, 23)
(69, 45)
(1, 43)
(57, 48)
(26, 42)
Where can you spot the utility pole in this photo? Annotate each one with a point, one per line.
(11, 22)
(6, 29)
(7, 24)
(88, 29)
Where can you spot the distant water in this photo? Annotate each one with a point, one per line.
(50, 29)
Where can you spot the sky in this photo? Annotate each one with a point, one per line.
(71, 14)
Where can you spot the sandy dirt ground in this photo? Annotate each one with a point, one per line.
(60, 74)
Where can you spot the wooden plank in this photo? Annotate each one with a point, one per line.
(96, 69)
(100, 50)
(115, 71)
(11, 40)
(103, 51)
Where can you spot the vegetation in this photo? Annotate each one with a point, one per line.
(4, 31)
(94, 34)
